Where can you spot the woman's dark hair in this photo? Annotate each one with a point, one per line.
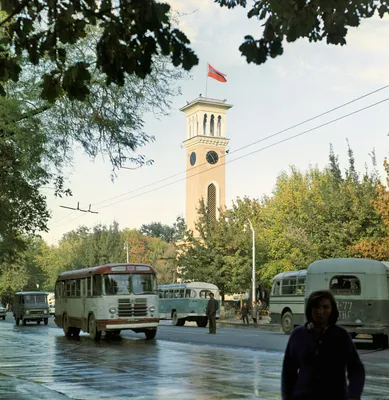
(315, 299)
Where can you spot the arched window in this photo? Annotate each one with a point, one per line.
(197, 125)
(219, 126)
(205, 125)
(211, 201)
(212, 125)
(190, 127)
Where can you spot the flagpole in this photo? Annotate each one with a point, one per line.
(206, 83)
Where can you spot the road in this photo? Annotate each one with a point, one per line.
(182, 363)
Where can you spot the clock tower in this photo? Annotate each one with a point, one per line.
(205, 146)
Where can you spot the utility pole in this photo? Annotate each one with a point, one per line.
(126, 247)
(253, 269)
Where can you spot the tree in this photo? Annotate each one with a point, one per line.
(23, 207)
(167, 233)
(377, 249)
(290, 20)
(133, 33)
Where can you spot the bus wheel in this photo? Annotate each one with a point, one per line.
(175, 319)
(94, 333)
(287, 323)
(38, 322)
(46, 321)
(202, 323)
(3, 318)
(65, 326)
(24, 322)
(17, 320)
(150, 333)
(181, 322)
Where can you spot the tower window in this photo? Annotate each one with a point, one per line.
(219, 126)
(211, 203)
(212, 125)
(205, 125)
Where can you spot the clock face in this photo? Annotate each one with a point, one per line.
(192, 158)
(212, 157)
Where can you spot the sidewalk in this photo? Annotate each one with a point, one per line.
(262, 324)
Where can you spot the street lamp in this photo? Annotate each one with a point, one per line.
(126, 248)
(253, 271)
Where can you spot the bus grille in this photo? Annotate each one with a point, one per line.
(132, 309)
(36, 312)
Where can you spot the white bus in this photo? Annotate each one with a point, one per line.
(361, 290)
(107, 298)
(287, 299)
(182, 302)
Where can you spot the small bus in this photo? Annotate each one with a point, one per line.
(361, 290)
(287, 299)
(107, 298)
(181, 302)
(30, 307)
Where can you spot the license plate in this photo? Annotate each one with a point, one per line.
(133, 319)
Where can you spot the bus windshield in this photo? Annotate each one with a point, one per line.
(124, 284)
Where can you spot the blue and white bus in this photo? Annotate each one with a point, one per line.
(183, 302)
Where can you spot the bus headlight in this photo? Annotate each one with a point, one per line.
(151, 308)
(27, 312)
(112, 310)
(44, 311)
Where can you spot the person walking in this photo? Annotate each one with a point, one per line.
(319, 354)
(245, 313)
(212, 307)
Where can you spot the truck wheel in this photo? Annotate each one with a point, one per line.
(46, 321)
(17, 320)
(24, 322)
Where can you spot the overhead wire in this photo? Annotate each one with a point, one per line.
(245, 147)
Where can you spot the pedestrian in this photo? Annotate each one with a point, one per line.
(254, 312)
(212, 307)
(245, 313)
(318, 355)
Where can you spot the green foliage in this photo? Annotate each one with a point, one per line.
(131, 35)
(311, 215)
(23, 208)
(167, 233)
(290, 20)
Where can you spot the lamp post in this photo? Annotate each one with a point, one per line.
(253, 271)
(126, 247)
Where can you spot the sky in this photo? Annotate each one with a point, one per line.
(307, 80)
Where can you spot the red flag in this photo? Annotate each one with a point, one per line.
(215, 74)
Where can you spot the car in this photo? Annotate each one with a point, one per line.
(3, 312)
(52, 309)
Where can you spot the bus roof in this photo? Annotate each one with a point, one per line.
(193, 285)
(291, 274)
(349, 265)
(107, 269)
(29, 293)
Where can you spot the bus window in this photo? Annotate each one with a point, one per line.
(276, 289)
(181, 295)
(301, 286)
(346, 285)
(160, 294)
(67, 288)
(96, 285)
(289, 286)
(166, 294)
(78, 288)
(204, 294)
